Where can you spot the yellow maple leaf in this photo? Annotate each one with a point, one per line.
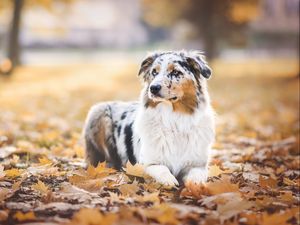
(13, 172)
(99, 171)
(215, 171)
(44, 160)
(87, 216)
(20, 216)
(41, 187)
(136, 170)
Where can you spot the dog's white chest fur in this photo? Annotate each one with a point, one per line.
(173, 139)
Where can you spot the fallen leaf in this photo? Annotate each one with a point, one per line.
(232, 207)
(161, 213)
(44, 161)
(20, 216)
(215, 171)
(129, 189)
(100, 171)
(40, 187)
(87, 216)
(13, 172)
(223, 185)
(267, 182)
(136, 170)
(3, 215)
(149, 197)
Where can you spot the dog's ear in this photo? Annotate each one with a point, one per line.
(147, 63)
(196, 61)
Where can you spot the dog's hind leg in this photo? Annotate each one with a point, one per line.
(93, 154)
(99, 138)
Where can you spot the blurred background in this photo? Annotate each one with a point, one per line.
(58, 57)
(72, 31)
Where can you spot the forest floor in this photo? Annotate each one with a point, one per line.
(254, 171)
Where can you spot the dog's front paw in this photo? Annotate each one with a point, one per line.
(196, 176)
(162, 175)
(167, 179)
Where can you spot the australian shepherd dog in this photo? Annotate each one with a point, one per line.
(170, 130)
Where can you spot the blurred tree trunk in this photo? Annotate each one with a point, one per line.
(206, 22)
(14, 43)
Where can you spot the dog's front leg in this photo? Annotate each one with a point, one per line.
(196, 175)
(161, 174)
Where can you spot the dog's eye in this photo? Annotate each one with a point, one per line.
(154, 72)
(175, 73)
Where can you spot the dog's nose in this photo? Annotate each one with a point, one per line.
(155, 88)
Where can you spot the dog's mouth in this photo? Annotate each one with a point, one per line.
(173, 98)
(160, 98)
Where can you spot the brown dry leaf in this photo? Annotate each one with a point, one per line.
(232, 207)
(129, 189)
(87, 184)
(4, 193)
(3, 215)
(136, 170)
(286, 196)
(20, 216)
(149, 197)
(215, 171)
(161, 213)
(223, 185)
(289, 182)
(13, 172)
(267, 182)
(194, 190)
(41, 187)
(87, 216)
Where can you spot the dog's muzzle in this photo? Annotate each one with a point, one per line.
(155, 88)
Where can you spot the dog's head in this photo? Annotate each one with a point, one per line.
(176, 77)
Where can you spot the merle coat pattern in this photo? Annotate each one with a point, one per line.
(170, 130)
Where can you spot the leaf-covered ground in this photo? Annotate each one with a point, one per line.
(254, 172)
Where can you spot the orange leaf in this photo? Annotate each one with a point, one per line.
(13, 172)
(162, 213)
(24, 216)
(222, 186)
(88, 216)
(100, 170)
(136, 170)
(268, 182)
